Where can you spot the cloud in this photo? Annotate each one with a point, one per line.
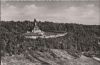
(9, 12)
(85, 14)
(33, 10)
(81, 14)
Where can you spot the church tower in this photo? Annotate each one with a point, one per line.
(36, 28)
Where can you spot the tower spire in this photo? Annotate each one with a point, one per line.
(35, 21)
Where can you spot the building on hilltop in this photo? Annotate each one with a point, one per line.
(37, 33)
(37, 29)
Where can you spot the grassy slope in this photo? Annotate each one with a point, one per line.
(53, 57)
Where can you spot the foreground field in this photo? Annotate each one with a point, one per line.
(53, 57)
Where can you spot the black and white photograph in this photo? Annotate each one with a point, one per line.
(50, 32)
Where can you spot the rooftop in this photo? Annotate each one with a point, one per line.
(32, 34)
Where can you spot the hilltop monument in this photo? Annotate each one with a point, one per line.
(37, 33)
(36, 28)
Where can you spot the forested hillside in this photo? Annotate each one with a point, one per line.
(80, 38)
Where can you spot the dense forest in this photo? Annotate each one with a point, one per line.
(80, 38)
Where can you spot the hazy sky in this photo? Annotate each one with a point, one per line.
(83, 12)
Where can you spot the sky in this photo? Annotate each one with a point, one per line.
(81, 12)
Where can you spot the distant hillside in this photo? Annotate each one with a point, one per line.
(22, 27)
(80, 38)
